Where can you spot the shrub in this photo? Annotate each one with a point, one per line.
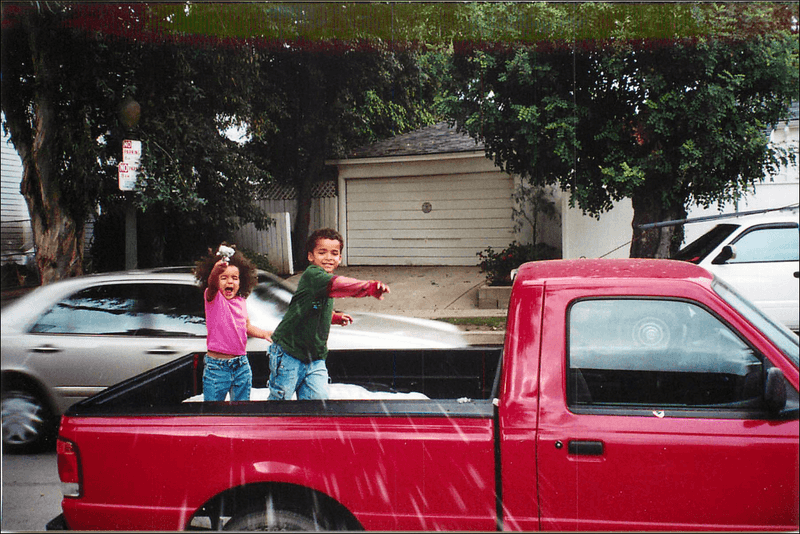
(498, 265)
(261, 261)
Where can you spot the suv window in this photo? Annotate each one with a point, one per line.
(768, 244)
(101, 310)
(658, 353)
(173, 310)
(701, 247)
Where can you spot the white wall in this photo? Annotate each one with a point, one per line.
(609, 237)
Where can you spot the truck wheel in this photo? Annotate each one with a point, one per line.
(273, 520)
(27, 422)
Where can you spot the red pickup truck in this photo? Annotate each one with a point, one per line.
(629, 395)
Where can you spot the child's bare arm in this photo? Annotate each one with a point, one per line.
(341, 286)
(213, 279)
(254, 331)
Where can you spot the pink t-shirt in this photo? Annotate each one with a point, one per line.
(226, 322)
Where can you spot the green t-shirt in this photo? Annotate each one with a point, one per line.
(303, 332)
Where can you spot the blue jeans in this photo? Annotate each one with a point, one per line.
(221, 376)
(288, 374)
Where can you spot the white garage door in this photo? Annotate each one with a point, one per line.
(430, 220)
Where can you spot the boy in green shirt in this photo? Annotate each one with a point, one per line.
(299, 343)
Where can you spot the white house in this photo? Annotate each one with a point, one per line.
(15, 220)
(610, 236)
(17, 234)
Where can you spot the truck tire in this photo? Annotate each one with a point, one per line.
(27, 422)
(273, 520)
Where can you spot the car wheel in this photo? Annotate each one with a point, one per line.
(27, 422)
(273, 520)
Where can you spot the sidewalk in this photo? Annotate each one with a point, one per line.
(434, 292)
(427, 292)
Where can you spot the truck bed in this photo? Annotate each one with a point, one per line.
(457, 381)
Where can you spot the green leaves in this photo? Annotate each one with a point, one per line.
(674, 118)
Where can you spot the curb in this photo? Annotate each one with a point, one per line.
(445, 313)
(496, 337)
(493, 297)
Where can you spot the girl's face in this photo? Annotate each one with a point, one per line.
(229, 282)
(326, 254)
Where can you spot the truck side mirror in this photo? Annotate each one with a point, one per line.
(728, 252)
(775, 390)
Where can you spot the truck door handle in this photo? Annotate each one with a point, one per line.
(585, 448)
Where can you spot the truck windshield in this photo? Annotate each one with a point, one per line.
(784, 339)
(701, 247)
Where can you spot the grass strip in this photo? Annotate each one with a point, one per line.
(491, 322)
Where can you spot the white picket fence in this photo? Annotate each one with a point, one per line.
(276, 240)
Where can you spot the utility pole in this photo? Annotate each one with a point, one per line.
(130, 111)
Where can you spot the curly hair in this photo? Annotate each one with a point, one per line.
(248, 277)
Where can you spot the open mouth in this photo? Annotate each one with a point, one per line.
(228, 292)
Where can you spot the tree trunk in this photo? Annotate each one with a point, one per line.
(313, 145)
(657, 242)
(302, 223)
(57, 236)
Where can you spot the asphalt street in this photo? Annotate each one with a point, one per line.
(31, 492)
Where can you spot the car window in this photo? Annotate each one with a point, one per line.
(102, 310)
(173, 310)
(270, 300)
(658, 353)
(701, 247)
(768, 244)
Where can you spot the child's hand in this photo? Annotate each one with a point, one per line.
(378, 288)
(220, 266)
(268, 335)
(341, 319)
(226, 253)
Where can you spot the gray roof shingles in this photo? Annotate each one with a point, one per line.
(436, 139)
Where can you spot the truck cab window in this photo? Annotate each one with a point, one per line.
(655, 354)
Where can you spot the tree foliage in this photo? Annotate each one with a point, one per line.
(307, 82)
(668, 108)
(332, 101)
(63, 85)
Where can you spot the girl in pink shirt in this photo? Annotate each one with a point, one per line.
(227, 278)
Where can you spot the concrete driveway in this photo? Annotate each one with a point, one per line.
(420, 291)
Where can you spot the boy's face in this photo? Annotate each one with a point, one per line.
(229, 282)
(326, 254)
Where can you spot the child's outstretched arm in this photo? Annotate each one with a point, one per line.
(254, 331)
(213, 279)
(341, 286)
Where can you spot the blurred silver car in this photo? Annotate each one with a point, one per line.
(68, 340)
